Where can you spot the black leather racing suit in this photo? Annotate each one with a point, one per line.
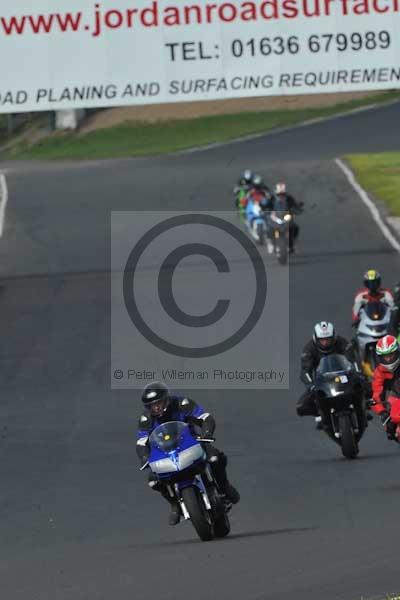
(288, 203)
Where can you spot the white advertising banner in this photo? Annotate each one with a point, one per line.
(120, 52)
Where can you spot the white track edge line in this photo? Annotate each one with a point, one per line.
(369, 204)
(3, 201)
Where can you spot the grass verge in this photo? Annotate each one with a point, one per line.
(379, 174)
(137, 139)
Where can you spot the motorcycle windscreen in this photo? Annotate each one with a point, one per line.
(376, 310)
(332, 364)
(168, 436)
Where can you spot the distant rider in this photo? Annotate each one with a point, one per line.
(241, 188)
(245, 178)
(386, 381)
(324, 342)
(287, 203)
(160, 407)
(372, 291)
(394, 325)
(258, 189)
(258, 202)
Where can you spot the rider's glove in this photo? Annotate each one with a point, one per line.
(207, 432)
(208, 427)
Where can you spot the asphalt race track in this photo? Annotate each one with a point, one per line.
(77, 519)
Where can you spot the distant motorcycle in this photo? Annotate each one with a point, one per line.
(280, 223)
(282, 226)
(256, 223)
(178, 459)
(240, 194)
(341, 402)
(374, 323)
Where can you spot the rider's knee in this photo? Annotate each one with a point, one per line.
(153, 483)
(218, 458)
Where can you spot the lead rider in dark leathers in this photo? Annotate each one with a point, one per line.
(161, 407)
(324, 341)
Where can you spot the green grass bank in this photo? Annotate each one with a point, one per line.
(138, 139)
(379, 174)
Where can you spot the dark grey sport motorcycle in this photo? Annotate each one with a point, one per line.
(341, 402)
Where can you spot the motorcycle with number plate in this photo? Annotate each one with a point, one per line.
(341, 402)
(179, 461)
(373, 324)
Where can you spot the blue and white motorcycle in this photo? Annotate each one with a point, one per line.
(256, 222)
(179, 461)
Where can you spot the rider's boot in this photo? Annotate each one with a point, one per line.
(230, 492)
(218, 462)
(175, 514)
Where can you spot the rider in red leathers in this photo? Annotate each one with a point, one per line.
(259, 192)
(386, 382)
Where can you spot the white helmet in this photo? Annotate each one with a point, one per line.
(387, 349)
(247, 175)
(280, 188)
(324, 336)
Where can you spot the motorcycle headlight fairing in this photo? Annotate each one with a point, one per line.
(335, 392)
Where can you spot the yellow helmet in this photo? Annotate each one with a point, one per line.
(372, 280)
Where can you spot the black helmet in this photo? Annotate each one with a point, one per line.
(155, 396)
(372, 280)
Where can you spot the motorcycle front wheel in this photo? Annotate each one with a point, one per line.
(198, 514)
(222, 525)
(282, 250)
(347, 440)
(261, 234)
